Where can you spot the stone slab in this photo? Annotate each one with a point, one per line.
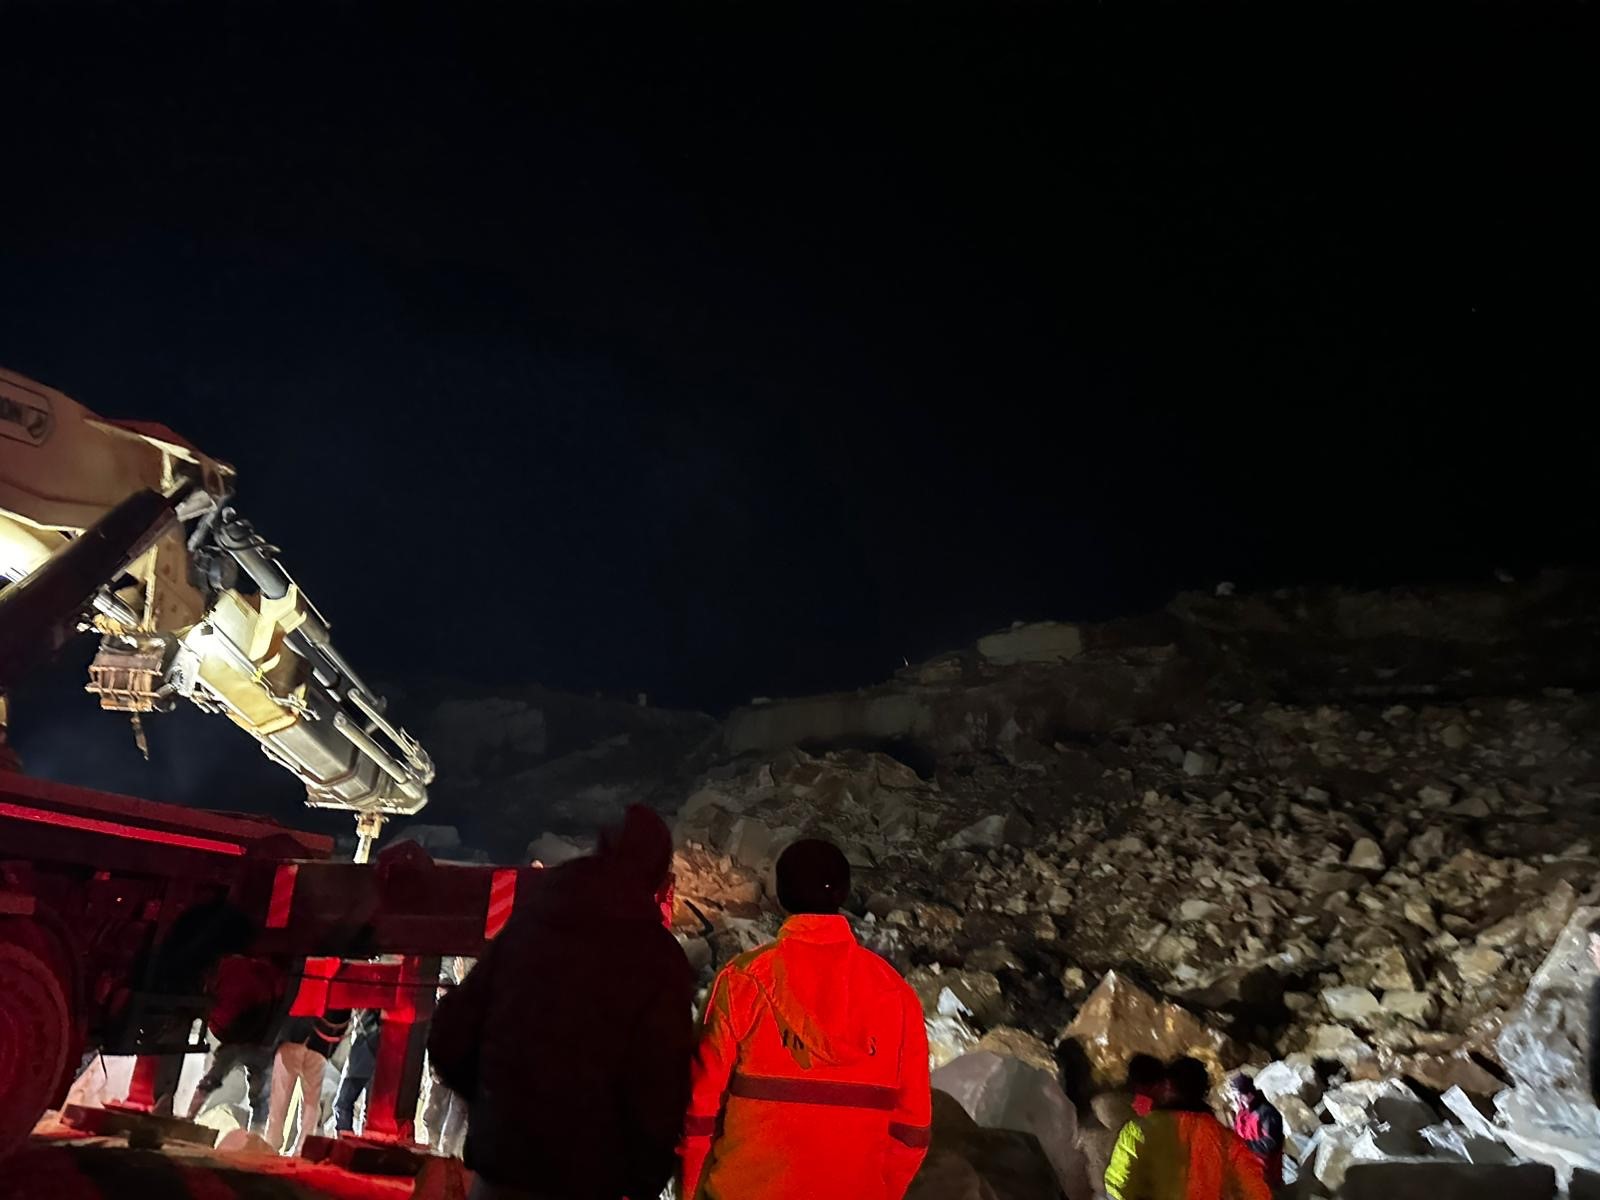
(1448, 1181)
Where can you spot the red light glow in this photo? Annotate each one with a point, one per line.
(116, 829)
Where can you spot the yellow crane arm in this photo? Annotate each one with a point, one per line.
(205, 611)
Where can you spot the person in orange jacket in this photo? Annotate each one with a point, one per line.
(1181, 1151)
(811, 1074)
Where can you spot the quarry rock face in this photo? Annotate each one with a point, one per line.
(1030, 682)
(523, 761)
(1461, 642)
(1041, 642)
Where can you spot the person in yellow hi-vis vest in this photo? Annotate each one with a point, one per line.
(1181, 1151)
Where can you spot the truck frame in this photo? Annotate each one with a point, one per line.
(93, 887)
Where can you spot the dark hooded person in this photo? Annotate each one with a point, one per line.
(811, 1075)
(570, 1040)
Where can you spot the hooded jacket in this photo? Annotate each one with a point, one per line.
(246, 994)
(1260, 1126)
(1175, 1154)
(570, 1039)
(811, 1074)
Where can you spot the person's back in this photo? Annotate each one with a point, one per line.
(811, 1077)
(570, 1040)
(1182, 1152)
(246, 993)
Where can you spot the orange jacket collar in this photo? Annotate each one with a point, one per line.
(811, 927)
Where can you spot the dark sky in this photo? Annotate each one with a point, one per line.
(719, 350)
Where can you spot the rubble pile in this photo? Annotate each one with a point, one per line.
(1344, 1129)
(1373, 885)
(1337, 833)
(1102, 842)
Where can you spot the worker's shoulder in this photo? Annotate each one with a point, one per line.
(878, 968)
(1137, 1130)
(660, 947)
(879, 971)
(750, 962)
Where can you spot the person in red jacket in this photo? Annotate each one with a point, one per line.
(811, 1074)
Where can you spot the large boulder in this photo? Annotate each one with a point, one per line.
(1022, 1046)
(1441, 1072)
(946, 1175)
(1001, 1092)
(1295, 1077)
(1549, 1116)
(968, 1162)
(1040, 642)
(1120, 1019)
(1544, 1043)
(1448, 1181)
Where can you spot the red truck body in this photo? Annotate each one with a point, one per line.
(94, 887)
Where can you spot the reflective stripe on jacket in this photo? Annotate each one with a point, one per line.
(1173, 1155)
(811, 1074)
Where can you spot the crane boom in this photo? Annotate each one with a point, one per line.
(132, 530)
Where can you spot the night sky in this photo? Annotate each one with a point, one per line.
(724, 350)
